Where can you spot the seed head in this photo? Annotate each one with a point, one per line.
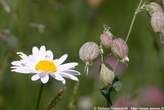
(120, 49)
(89, 51)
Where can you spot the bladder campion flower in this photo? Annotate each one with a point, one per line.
(106, 39)
(120, 49)
(89, 52)
(41, 64)
(157, 19)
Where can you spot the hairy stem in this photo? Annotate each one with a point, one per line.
(73, 102)
(133, 20)
(56, 99)
(39, 97)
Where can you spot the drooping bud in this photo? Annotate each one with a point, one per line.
(89, 52)
(106, 75)
(106, 39)
(120, 49)
(157, 21)
(157, 18)
(153, 7)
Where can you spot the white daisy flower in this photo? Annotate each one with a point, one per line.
(43, 65)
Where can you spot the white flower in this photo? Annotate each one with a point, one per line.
(43, 65)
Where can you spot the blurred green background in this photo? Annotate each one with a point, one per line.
(63, 26)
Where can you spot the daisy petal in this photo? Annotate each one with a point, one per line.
(49, 55)
(61, 59)
(58, 77)
(35, 77)
(43, 49)
(45, 79)
(67, 75)
(42, 52)
(22, 55)
(73, 72)
(21, 70)
(35, 51)
(67, 66)
(16, 63)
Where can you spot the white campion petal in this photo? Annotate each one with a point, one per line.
(61, 59)
(58, 77)
(67, 75)
(35, 77)
(66, 66)
(45, 79)
(49, 55)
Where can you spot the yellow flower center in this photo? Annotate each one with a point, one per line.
(46, 66)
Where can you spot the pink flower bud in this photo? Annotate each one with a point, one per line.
(120, 49)
(106, 39)
(89, 51)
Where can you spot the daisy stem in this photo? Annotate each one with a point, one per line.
(39, 97)
(133, 20)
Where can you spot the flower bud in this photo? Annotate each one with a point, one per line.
(157, 21)
(120, 49)
(106, 39)
(89, 51)
(106, 75)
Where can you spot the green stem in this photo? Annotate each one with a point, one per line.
(39, 97)
(133, 20)
(56, 99)
(131, 25)
(73, 101)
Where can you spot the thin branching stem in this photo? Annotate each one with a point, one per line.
(132, 24)
(133, 20)
(39, 97)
